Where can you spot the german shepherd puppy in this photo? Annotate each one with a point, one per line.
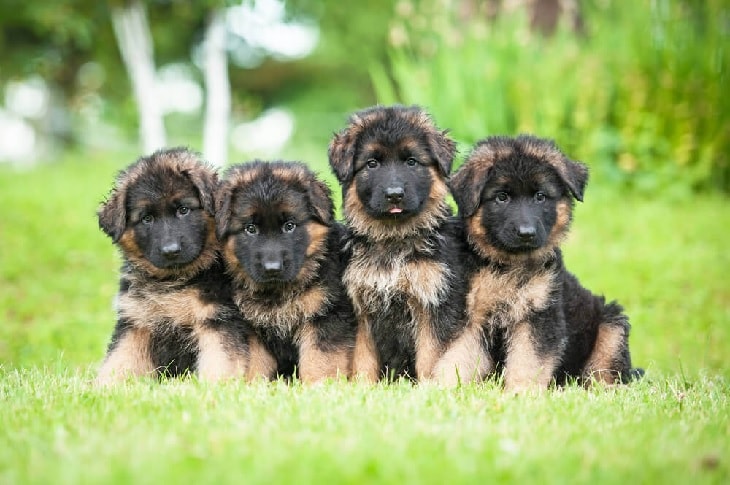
(175, 310)
(282, 249)
(516, 197)
(403, 251)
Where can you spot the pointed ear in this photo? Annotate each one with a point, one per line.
(443, 149)
(466, 187)
(223, 195)
(320, 202)
(113, 214)
(575, 176)
(205, 180)
(341, 154)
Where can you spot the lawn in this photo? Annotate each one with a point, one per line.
(664, 260)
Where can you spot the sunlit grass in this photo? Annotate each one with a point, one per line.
(55, 427)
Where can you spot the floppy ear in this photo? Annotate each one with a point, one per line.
(320, 202)
(443, 149)
(466, 186)
(341, 154)
(205, 181)
(222, 198)
(113, 214)
(575, 176)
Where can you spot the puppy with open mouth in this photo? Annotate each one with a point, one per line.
(403, 268)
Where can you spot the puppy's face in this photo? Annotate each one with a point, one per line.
(516, 195)
(393, 178)
(392, 163)
(273, 219)
(161, 214)
(166, 219)
(519, 206)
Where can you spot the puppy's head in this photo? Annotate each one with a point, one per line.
(273, 219)
(160, 214)
(392, 163)
(516, 195)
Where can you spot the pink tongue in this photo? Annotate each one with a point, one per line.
(395, 210)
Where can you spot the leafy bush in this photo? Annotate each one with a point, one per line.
(638, 97)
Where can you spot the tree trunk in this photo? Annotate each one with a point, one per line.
(218, 91)
(135, 45)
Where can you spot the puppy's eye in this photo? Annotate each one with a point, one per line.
(372, 163)
(502, 197)
(183, 211)
(288, 227)
(251, 229)
(540, 197)
(147, 219)
(410, 161)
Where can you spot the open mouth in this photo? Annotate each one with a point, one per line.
(395, 210)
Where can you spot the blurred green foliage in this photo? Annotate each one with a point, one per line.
(640, 95)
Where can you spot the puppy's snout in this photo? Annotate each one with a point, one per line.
(171, 250)
(394, 194)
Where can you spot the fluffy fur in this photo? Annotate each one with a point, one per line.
(515, 196)
(282, 249)
(403, 250)
(174, 306)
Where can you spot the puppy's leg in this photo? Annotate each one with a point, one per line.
(428, 348)
(609, 360)
(219, 355)
(464, 360)
(365, 365)
(317, 364)
(261, 364)
(128, 356)
(526, 369)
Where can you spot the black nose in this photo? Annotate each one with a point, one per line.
(171, 250)
(394, 194)
(526, 232)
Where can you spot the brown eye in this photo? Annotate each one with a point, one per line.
(502, 197)
(411, 161)
(288, 227)
(147, 219)
(372, 163)
(183, 211)
(251, 229)
(540, 197)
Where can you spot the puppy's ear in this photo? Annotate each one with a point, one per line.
(223, 196)
(320, 202)
(575, 176)
(466, 186)
(443, 149)
(113, 214)
(205, 180)
(341, 154)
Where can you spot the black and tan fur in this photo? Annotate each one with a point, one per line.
(516, 197)
(403, 269)
(174, 306)
(282, 246)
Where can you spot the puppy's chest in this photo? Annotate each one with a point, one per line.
(153, 306)
(374, 282)
(283, 314)
(498, 299)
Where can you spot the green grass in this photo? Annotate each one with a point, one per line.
(664, 260)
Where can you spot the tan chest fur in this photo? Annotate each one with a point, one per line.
(424, 282)
(287, 317)
(182, 307)
(507, 296)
